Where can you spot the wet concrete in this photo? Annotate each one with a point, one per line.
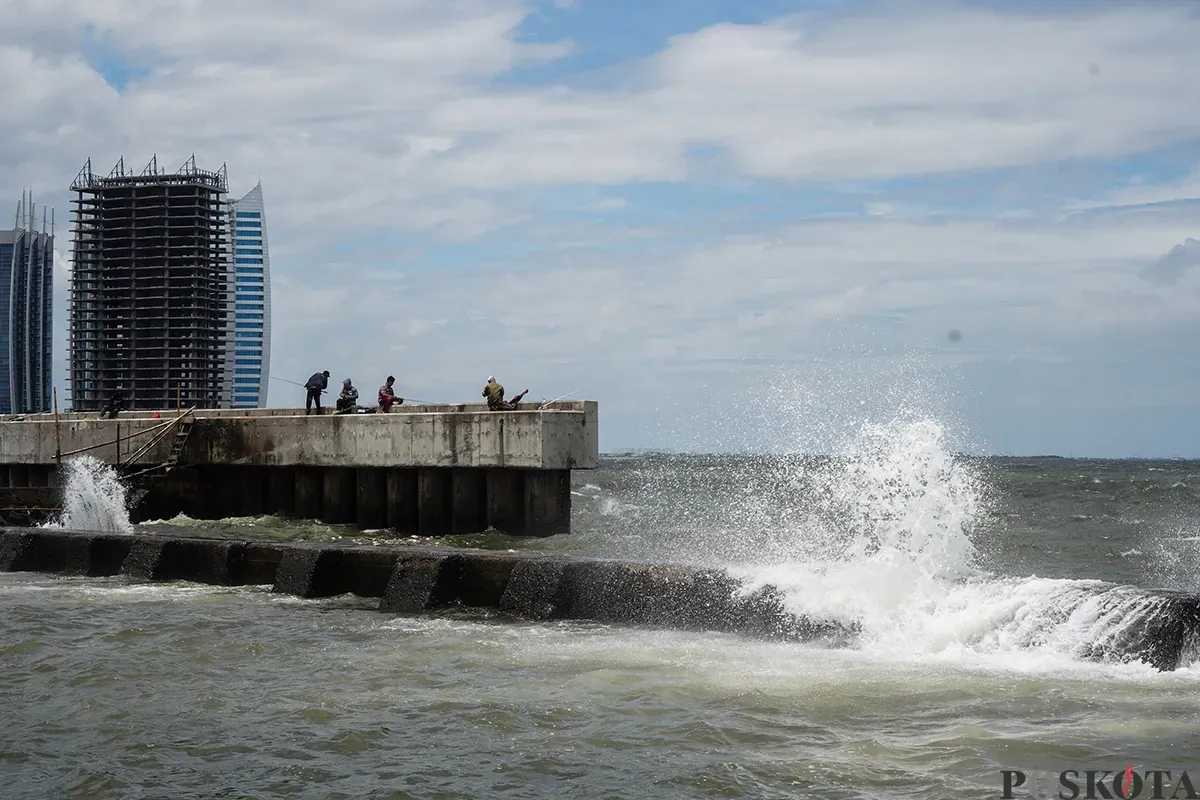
(522, 586)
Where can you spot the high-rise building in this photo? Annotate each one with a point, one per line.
(248, 346)
(26, 294)
(149, 287)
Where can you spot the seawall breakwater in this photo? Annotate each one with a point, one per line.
(1162, 628)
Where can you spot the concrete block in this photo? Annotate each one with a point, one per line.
(260, 562)
(605, 591)
(532, 590)
(309, 572)
(485, 578)
(329, 571)
(421, 582)
(14, 545)
(147, 559)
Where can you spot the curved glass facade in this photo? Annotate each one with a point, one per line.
(248, 340)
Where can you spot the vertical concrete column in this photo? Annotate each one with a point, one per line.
(434, 507)
(505, 499)
(18, 475)
(310, 492)
(281, 490)
(402, 500)
(547, 502)
(39, 475)
(250, 491)
(372, 498)
(221, 495)
(341, 494)
(468, 510)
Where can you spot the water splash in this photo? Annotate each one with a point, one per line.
(94, 498)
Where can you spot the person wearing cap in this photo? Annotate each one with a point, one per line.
(494, 392)
(387, 395)
(318, 383)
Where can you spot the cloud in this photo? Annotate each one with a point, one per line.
(1171, 267)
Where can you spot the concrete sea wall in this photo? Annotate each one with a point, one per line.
(430, 470)
(522, 586)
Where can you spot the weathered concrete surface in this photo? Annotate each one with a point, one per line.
(412, 580)
(563, 437)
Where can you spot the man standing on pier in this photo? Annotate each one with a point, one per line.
(318, 383)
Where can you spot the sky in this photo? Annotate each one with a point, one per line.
(738, 225)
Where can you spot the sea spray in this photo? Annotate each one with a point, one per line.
(93, 498)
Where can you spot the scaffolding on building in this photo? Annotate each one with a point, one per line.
(147, 299)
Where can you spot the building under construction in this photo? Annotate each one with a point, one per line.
(149, 287)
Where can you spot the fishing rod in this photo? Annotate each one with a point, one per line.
(546, 403)
(406, 399)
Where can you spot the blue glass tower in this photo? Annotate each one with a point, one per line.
(248, 344)
(26, 294)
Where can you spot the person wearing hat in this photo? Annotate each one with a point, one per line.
(494, 392)
(318, 383)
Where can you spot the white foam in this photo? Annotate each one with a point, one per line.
(94, 498)
(892, 555)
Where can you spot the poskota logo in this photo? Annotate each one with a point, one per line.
(1095, 784)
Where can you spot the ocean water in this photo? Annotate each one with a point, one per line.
(971, 579)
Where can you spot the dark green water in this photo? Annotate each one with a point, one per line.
(117, 690)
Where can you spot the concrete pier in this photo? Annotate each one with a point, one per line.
(421, 469)
(520, 586)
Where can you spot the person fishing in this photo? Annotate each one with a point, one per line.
(387, 395)
(494, 392)
(318, 383)
(347, 401)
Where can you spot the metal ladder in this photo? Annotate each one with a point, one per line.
(142, 480)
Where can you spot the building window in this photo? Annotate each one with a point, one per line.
(248, 334)
(249, 215)
(253, 381)
(248, 325)
(248, 261)
(247, 371)
(248, 315)
(249, 307)
(247, 362)
(249, 251)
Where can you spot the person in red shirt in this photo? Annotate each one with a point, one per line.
(387, 395)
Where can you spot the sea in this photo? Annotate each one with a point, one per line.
(967, 576)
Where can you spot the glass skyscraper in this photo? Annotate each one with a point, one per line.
(26, 294)
(248, 346)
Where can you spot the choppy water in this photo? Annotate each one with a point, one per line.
(965, 575)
